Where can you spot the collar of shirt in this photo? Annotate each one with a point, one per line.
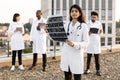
(76, 24)
(94, 22)
(73, 26)
(40, 20)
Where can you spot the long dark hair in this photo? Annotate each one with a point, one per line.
(14, 17)
(81, 17)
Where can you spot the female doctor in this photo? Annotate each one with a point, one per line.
(72, 58)
(16, 30)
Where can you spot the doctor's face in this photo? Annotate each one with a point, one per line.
(38, 14)
(75, 13)
(94, 18)
(18, 18)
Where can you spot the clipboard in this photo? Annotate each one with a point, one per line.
(19, 28)
(94, 30)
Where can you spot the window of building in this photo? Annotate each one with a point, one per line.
(64, 9)
(109, 41)
(109, 14)
(57, 11)
(52, 7)
(64, 15)
(109, 28)
(98, 13)
(58, 43)
(90, 4)
(89, 14)
(96, 4)
(117, 40)
(109, 4)
(84, 13)
(64, 4)
(103, 25)
(83, 4)
(57, 6)
(51, 43)
(77, 2)
(102, 41)
(103, 4)
(109, 9)
(70, 3)
(103, 14)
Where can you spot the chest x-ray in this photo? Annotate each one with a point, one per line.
(56, 28)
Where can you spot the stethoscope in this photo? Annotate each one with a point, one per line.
(78, 27)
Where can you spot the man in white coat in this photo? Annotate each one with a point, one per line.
(38, 39)
(95, 29)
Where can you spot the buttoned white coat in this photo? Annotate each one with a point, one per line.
(16, 39)
(73, 57)
(38, 37)
(94, 46)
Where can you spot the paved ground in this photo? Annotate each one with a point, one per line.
(110, 68)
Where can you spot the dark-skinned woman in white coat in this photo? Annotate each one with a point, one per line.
(72, 58)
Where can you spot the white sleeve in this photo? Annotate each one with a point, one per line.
(85, 39)
(10, 30)
(42, 31)
(32, 32)
(100, 28)
(23, 30)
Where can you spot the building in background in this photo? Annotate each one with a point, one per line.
(105, 8)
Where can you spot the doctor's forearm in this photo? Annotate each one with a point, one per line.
(70, 43)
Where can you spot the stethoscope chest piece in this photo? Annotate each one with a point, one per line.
(79, 27)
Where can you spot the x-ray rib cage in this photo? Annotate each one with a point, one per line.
(56, 28)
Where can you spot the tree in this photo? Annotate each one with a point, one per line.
(118, 24)
(4, 24)
(1, 43)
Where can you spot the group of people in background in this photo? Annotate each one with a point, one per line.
(81, 36)
(37, 40)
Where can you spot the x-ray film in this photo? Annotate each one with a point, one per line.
(56, 28)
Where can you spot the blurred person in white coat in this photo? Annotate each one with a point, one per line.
(72, 57)
(95, 29)
(16, 30)
(38, 40)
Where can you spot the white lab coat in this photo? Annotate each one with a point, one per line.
(73, 57)
(95, 44)
(38, 37)
(16, 39)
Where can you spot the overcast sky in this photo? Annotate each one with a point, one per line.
(27, 9)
